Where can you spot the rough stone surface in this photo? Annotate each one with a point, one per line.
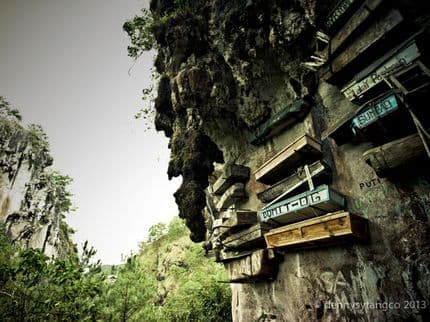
(233, 64)
(30, 197)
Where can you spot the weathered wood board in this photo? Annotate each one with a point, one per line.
(319, 171)
(401, 56)
(308, 204)
(305, 149)
(235, 193)
(363, 43)
(386, 158)
(247, 238)
(320, 230)
(373, 112)
(260, 265)
(280, 121)
(232, 173)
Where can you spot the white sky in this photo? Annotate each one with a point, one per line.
(63, 64)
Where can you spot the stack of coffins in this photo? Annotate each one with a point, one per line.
(237, 236)
(388, 91)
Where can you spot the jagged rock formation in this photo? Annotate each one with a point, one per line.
(33, 198)
(229, 70)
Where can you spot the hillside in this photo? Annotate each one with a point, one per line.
(170, 279)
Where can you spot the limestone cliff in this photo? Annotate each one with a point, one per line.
(33, 198)
(251, 83)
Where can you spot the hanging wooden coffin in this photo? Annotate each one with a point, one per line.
(366, 83)
(260, 265)
(321, 230)
(351, 27)
(280, 121)
(305, 149)
(385, 159)
(339, 13)
(374, 112)
(319, 171)
(237, 220)
(231, 173)
(309, 204)
(251, 237)
(375, 34)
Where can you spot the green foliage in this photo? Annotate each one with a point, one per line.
(170, 280)
(35, 288)
(139, 31)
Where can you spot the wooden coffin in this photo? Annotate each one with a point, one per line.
(260, 265)
(373, 112)
(351, 27)
(235, 193)
(321, 230)
(308, 204)
(385, 159)
(304, 150)
(411, 79)
(319, 171)
(251, 237)
(280, 121)
(231, 173)
(365, 84)
(237, 220)
(362, 44)
(339, 12)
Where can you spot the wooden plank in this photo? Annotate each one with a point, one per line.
(373, 75)
(257, 266)
(316, 231)
(363, 43)
(232, 195)
(248, 238)
(319, 172)
(280, 121)
(232, 173)
(357, 20)
(373, 112)
(308, 204)
(386, 158)
(304, 149)
(341, 8)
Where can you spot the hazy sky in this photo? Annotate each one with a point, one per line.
(64, 64)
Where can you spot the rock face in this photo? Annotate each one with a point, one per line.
(33, 199)
(229, 70)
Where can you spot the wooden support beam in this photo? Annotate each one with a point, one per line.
(330, 228)
(363, 43)
(260, 265)
(308, 204)
(305, 149)
(232, 173)
(386, 158)
(251, 237)
(232, 195)
(319, 171)
(280, 121)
